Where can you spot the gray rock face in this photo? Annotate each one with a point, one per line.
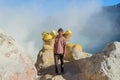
(102, 66)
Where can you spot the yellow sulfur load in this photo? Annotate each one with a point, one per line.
(68, 32)
(48, 36)
(67, 35)
(78, 46)
(73, 52)
(69, 45)
(53, 33)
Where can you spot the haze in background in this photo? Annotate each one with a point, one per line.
(26, 22)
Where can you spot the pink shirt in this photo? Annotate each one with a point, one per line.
(59, 45)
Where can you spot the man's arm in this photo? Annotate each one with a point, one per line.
(54, 48)
(64, 46)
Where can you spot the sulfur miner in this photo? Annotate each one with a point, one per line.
(45, 56)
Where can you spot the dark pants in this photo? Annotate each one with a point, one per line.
(56, 58)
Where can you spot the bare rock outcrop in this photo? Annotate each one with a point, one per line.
(103, 65)
(15, 62)
(45, 56)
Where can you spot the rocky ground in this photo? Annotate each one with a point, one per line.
(71, 73)
(100, 66)
(17, 64)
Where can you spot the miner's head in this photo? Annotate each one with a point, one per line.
(60, 31)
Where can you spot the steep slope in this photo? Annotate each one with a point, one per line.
(15, 62)
(103, 65)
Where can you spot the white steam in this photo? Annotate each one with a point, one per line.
(25, 24)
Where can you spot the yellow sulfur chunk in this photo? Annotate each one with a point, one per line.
(53, 33)
(68, 32)
(47, 36)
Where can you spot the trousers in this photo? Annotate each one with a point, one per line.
(56, 59)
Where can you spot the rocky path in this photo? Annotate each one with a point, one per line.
(71, 73)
